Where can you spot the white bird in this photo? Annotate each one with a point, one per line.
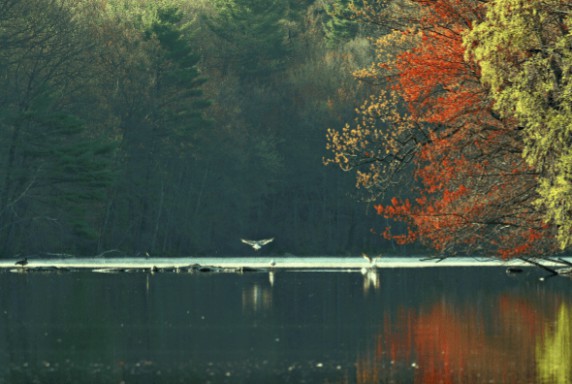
(372, 260)
(257, 244)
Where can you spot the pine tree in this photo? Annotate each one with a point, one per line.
(339, 25)
(54, 175)
(256, 36)
(163, 121)
(53, 170)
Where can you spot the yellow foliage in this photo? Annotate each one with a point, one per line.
(554, 351)
(524, 49)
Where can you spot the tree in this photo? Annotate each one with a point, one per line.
(160, 106)
(53, 171)
(105, 141)
(525, 53)
(472, 191)
(58, 174)
(338, 25)
(255, 36)
(272, 144)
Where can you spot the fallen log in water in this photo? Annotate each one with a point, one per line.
(242, 264)
(556, 271)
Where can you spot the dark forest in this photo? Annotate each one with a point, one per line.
(178, 127)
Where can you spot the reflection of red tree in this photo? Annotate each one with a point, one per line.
(451, 344)
(520, 318)
(401, 348)
(439, 339)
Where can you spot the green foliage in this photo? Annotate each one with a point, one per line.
(161, 110)
(170, 126)
(525, 53)
(176, 95)
(56, 173)
(256, 36)
(339, 25)
(54, 170)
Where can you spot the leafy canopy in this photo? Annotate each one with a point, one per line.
(524, 49)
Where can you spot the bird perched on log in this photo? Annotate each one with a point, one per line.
(22, 262)
(257, 244)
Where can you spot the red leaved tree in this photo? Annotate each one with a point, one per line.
(431, 127)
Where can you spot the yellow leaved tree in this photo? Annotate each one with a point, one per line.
(524, 49)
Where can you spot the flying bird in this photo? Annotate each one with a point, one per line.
(257, 244)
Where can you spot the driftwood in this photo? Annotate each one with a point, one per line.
(568, 263)
(436, 258)
(546, 268)
(63, 255)
(558, 271)
(102, 254)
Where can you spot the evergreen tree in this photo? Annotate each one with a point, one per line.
(52, 170)
(57, 175)
(256, 36)
(162, 115)
(339, 23)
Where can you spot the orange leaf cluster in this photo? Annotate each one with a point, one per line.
(472, 190)
(476, 191)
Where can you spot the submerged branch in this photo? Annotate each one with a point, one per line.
(527, 260)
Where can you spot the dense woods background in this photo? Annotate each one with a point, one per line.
(176, 127)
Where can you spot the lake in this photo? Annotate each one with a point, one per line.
(395, 325)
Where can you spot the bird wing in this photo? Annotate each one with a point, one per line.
(249, 242)
(366, 257)
(265, 241)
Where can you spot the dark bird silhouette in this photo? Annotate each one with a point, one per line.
(511, 270)
(257, 244)
(22, 262)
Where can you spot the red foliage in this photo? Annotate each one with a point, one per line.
(475, 190)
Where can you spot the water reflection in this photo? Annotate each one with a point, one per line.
(554, 350)
(256, 298)
(469, 342)
(407, 326)
(370, 279)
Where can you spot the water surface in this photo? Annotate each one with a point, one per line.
(400, 325)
